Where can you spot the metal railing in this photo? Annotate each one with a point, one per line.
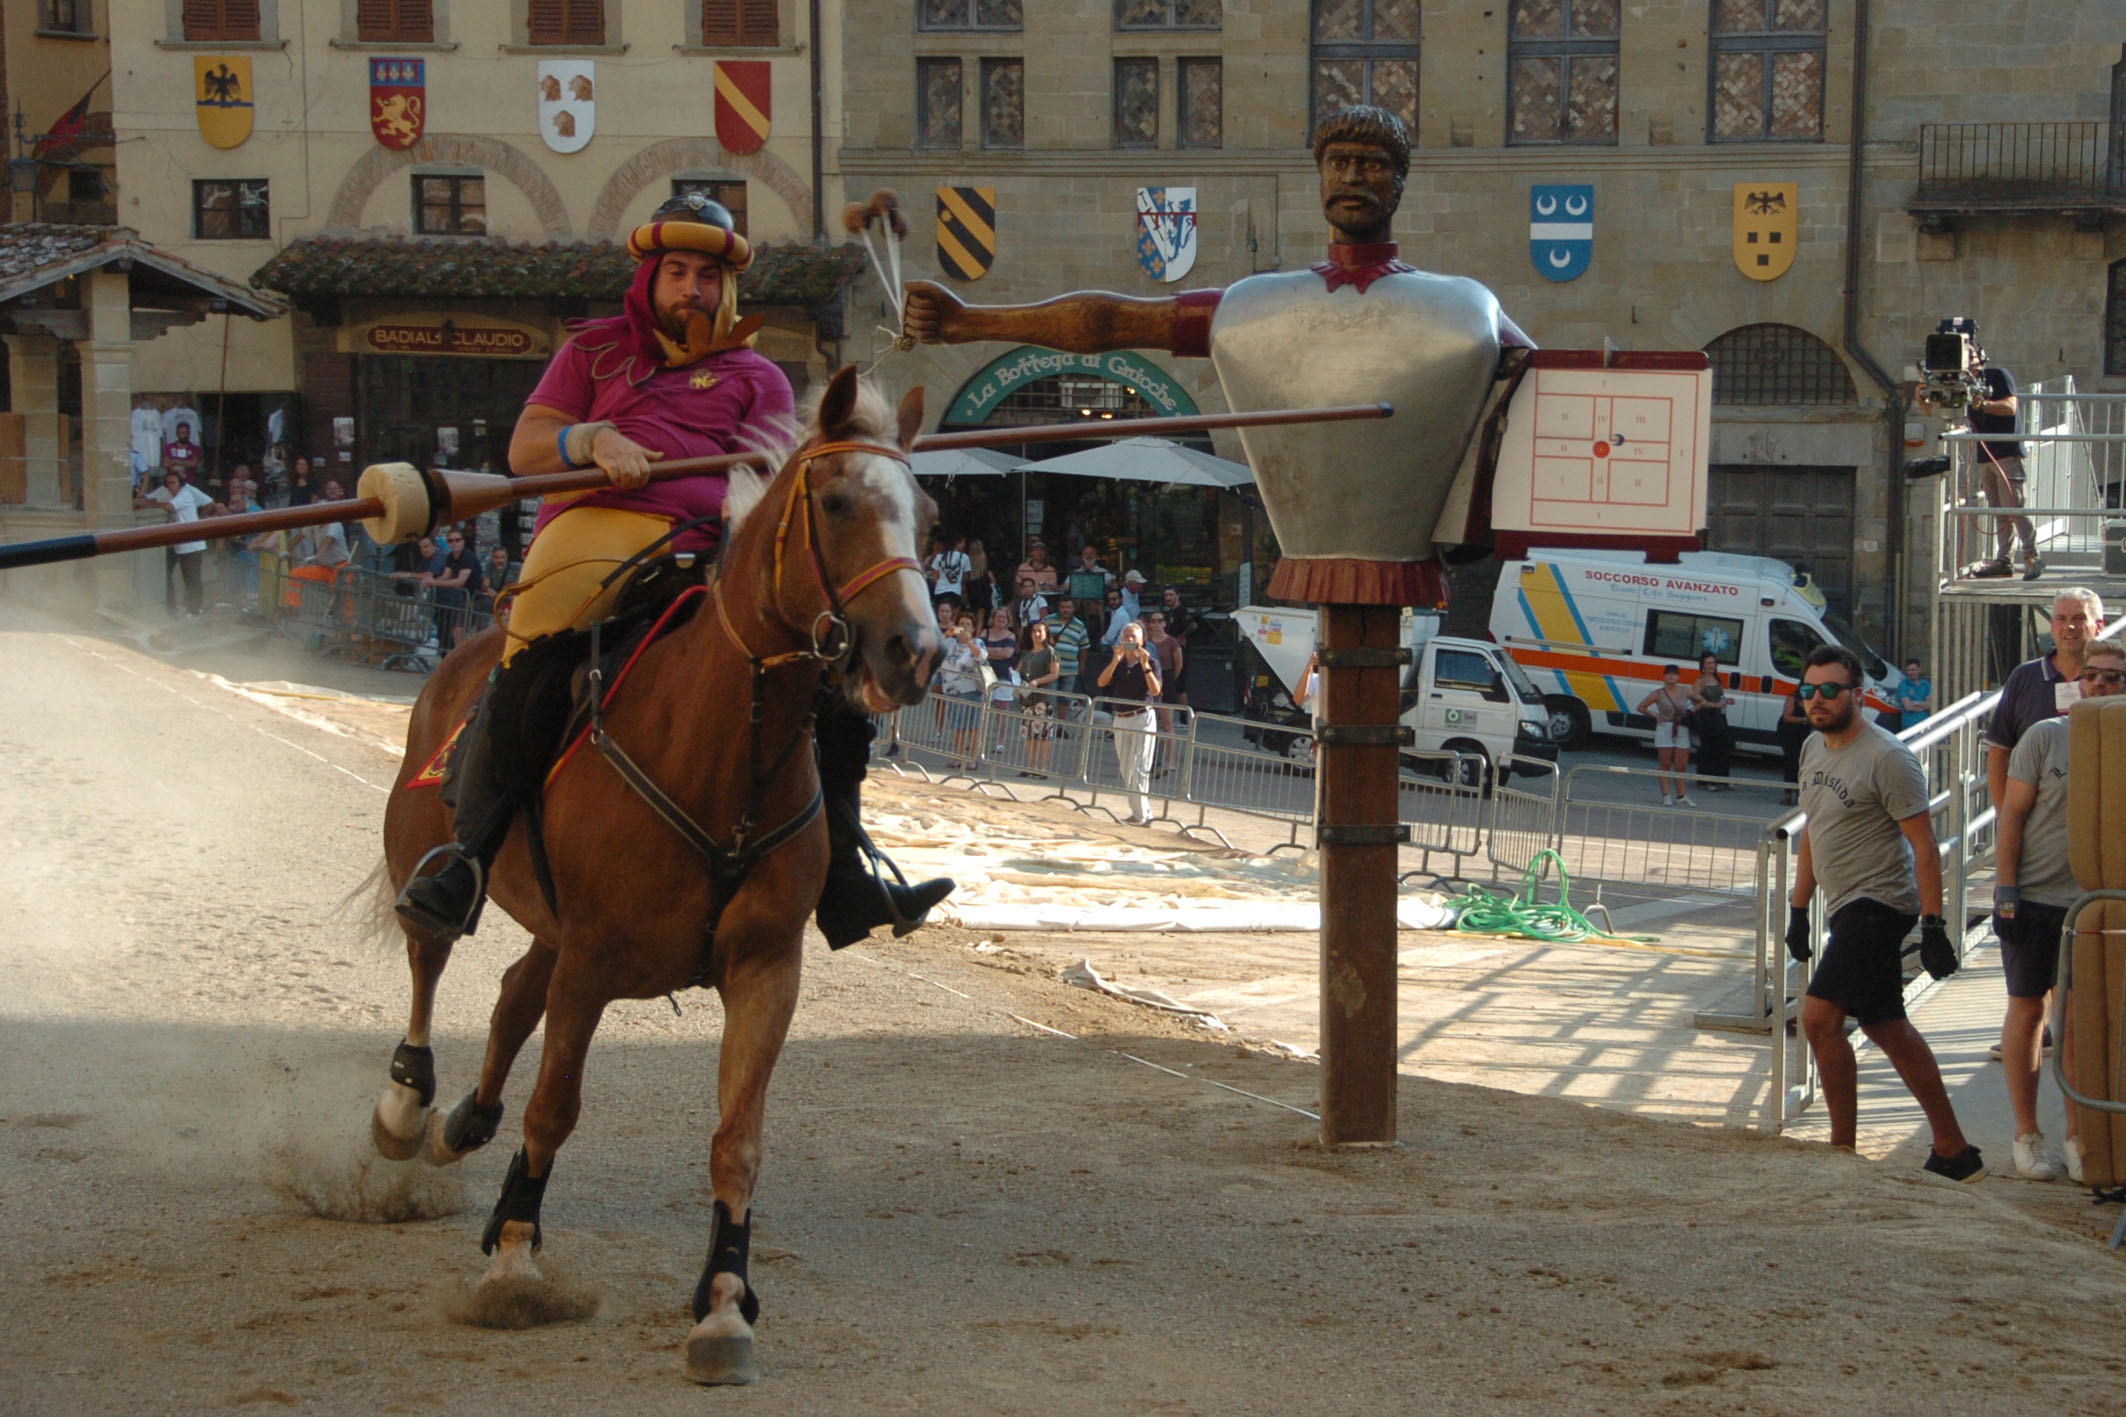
(2005, 164)
(346, 612)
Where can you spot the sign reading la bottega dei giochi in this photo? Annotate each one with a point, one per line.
(981, 394)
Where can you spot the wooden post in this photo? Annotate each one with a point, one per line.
(1355, 768)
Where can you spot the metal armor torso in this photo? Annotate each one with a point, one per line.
(1428, 344)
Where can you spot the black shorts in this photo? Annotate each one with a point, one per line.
(2030, 949)
(1862, 969)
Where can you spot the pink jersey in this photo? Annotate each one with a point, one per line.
(725, 403)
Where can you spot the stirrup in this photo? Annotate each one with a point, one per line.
(454, 852)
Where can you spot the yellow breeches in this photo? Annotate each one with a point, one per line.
(569, 559)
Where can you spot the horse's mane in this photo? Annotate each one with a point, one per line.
(872, 418)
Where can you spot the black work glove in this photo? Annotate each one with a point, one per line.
(1936, 953)
(1797, 934)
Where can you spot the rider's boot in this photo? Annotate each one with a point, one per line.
(447, 903)
(857, 899)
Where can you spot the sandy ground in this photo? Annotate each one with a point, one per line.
(961, 1212)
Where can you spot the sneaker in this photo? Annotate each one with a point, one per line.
(2071, 1151)
(2031, 1163)
(1966, 1165)
(1993, 570)
(1664, 799)
(2033, 568)
(1684, 801)
(2044, 1049)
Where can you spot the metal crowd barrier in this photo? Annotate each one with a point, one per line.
(345, 612)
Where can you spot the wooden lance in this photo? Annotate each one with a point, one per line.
(399, 502)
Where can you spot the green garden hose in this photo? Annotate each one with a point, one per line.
(1482, 912)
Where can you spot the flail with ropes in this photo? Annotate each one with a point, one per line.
(650, 788)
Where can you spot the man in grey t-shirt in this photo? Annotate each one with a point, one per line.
(1870, 843)
(2033, 887)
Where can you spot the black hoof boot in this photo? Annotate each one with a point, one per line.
(443, 905)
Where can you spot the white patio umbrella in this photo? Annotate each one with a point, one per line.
(1146, 460)
(962, 462)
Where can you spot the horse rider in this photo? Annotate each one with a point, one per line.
(673, 375)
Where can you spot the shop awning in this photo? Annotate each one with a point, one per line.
(166, 291)
(489, 268)
(962, 462)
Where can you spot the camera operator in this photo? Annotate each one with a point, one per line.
(1994, 409)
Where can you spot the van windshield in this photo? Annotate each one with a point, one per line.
(1522, 684)
(1869, 660)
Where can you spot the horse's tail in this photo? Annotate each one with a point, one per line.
(369, 903)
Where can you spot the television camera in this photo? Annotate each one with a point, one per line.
(1949, 380)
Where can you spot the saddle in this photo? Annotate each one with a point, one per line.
(542, 703)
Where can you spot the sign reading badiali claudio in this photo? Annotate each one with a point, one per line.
(1560, 228)
(1166, 231)
(568, 110)
(982, 392)
(221, 96)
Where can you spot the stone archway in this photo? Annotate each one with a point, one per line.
(681, 154)
(378, 163)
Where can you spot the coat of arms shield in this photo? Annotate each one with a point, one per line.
(398, 101)
(1166, 231)
(1767, 219)
(221, 96)
(1560, 228)
(742, 104)
(568, 111)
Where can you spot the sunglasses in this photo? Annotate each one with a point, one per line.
(1829, 693)
(2114, 678)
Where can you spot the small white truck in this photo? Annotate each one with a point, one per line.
(1466, 696)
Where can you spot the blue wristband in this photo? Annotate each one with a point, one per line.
(561, 445)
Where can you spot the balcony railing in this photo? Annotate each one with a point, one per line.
(2022, 166)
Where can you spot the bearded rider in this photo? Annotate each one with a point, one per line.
(674, 375)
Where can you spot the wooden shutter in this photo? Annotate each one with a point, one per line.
(751, 24)
(220, 19)
(401, 21)
(565, 22)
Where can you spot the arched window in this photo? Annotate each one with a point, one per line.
(1778, 364)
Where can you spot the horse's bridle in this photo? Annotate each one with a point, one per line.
(831, 640)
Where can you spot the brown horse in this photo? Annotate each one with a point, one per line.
(818, 574)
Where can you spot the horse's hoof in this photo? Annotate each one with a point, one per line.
(436, 1151)
(400, 1124)
(719, 1358)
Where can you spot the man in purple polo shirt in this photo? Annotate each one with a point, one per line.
(2045, 687)
(674, 375)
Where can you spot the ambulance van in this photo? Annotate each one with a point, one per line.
(1594, 629)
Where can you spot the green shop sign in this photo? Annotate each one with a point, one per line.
(980, 395)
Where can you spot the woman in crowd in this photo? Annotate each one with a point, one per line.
(980, 583)
(1001, 645)
(1670, 706)
(959, 688)
(1038, 672)
(1708, 718)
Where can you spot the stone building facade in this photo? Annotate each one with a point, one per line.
(1065, 108)
(438, 185)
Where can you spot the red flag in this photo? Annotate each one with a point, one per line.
(68, 127)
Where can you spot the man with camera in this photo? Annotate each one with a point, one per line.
(1987, 392)
(1131, 680)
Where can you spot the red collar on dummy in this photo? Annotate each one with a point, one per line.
(1359, 265)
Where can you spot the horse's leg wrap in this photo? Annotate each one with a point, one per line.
(469, 1125)
(728, 1245)
(415, 1068)
(521, 1194)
